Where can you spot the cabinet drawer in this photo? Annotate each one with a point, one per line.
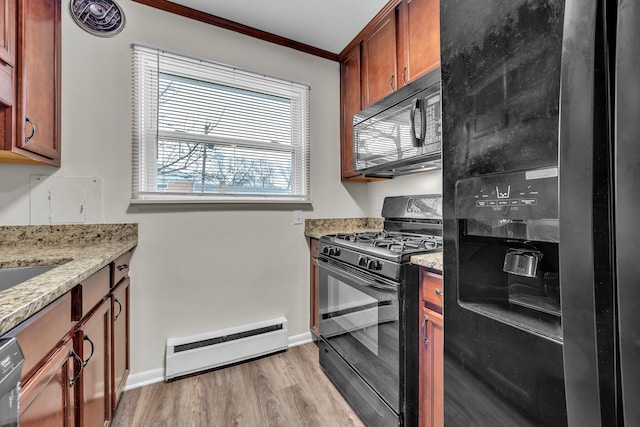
(91, 291)
(41, 333)
(315, 243)
(432, 290)
(120, 268)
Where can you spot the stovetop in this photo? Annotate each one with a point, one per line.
(384, 253)
(391, 245)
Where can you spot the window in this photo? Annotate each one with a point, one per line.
(204, 131)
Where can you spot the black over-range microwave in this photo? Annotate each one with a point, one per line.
(401, 133)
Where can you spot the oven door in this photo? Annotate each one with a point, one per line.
(359, 319)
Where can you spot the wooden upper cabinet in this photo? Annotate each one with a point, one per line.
(379, 66)
(8, 31)
(38, 85)
(419, 38)
(400, 44)
(7, 71)
(351, 103)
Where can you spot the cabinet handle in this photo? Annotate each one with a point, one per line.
(73, 354)
(404, 72)
(391, 82)
(119, 311)
(423, 329)
(438, 292)
(123, 267)
(33, 129)
(86, 338)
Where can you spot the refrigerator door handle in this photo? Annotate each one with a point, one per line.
(627, 205)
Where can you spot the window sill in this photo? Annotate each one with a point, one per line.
(239, 203)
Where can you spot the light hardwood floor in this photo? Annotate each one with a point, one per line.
(285, 389)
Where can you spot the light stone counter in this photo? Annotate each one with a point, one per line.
(79, 250)
(432, 261)
(318, 227)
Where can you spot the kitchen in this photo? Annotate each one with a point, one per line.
(185, 277)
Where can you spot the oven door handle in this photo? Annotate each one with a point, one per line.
(376, 285)
(382, 286)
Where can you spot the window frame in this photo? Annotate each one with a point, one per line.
(146, 134)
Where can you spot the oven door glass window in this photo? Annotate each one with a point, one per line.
(359, 319)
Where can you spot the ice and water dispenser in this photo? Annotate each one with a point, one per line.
(508, 248)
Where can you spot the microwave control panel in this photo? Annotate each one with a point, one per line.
(433, 132)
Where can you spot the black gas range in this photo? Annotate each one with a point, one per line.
(368, 311)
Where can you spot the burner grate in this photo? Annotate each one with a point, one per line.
(396, 242)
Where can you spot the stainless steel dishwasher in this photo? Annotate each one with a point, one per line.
(11, 361)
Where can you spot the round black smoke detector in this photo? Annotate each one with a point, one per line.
(102, 18)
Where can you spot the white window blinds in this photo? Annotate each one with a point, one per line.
(210, 132)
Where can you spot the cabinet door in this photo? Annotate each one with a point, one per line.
(92, 343)
(38, 127)
(313, 289)
(7, 31)
(119, 340)
(47, 397)
(379, 60)
(350, 80)
(422, 38)
(431, 370)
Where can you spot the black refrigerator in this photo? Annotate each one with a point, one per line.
(541, 206)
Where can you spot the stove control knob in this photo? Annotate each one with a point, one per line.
(332, 251)
(337, 251)
(362, 261)
(325, 250)
(373, 264)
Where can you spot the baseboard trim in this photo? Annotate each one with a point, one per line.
(300, 339)
(144, 378)
(153, 376)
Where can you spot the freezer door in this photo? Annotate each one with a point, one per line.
(627, 204)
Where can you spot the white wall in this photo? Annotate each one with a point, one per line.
(196, 269)
(419, 183)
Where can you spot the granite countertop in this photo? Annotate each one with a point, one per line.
(432, 261)
(78, 250)
(318, 227)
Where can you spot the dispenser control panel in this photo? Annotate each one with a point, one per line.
(523, 195)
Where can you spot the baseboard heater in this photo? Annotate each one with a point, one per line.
(189, 355)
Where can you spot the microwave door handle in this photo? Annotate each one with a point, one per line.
(418, 105)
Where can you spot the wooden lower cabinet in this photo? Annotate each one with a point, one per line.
(46, 398)
(92, 343)
(431, 370)
(119, 340)
(77, 353)
(313, 289)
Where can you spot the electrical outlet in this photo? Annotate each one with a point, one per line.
(297, 217)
